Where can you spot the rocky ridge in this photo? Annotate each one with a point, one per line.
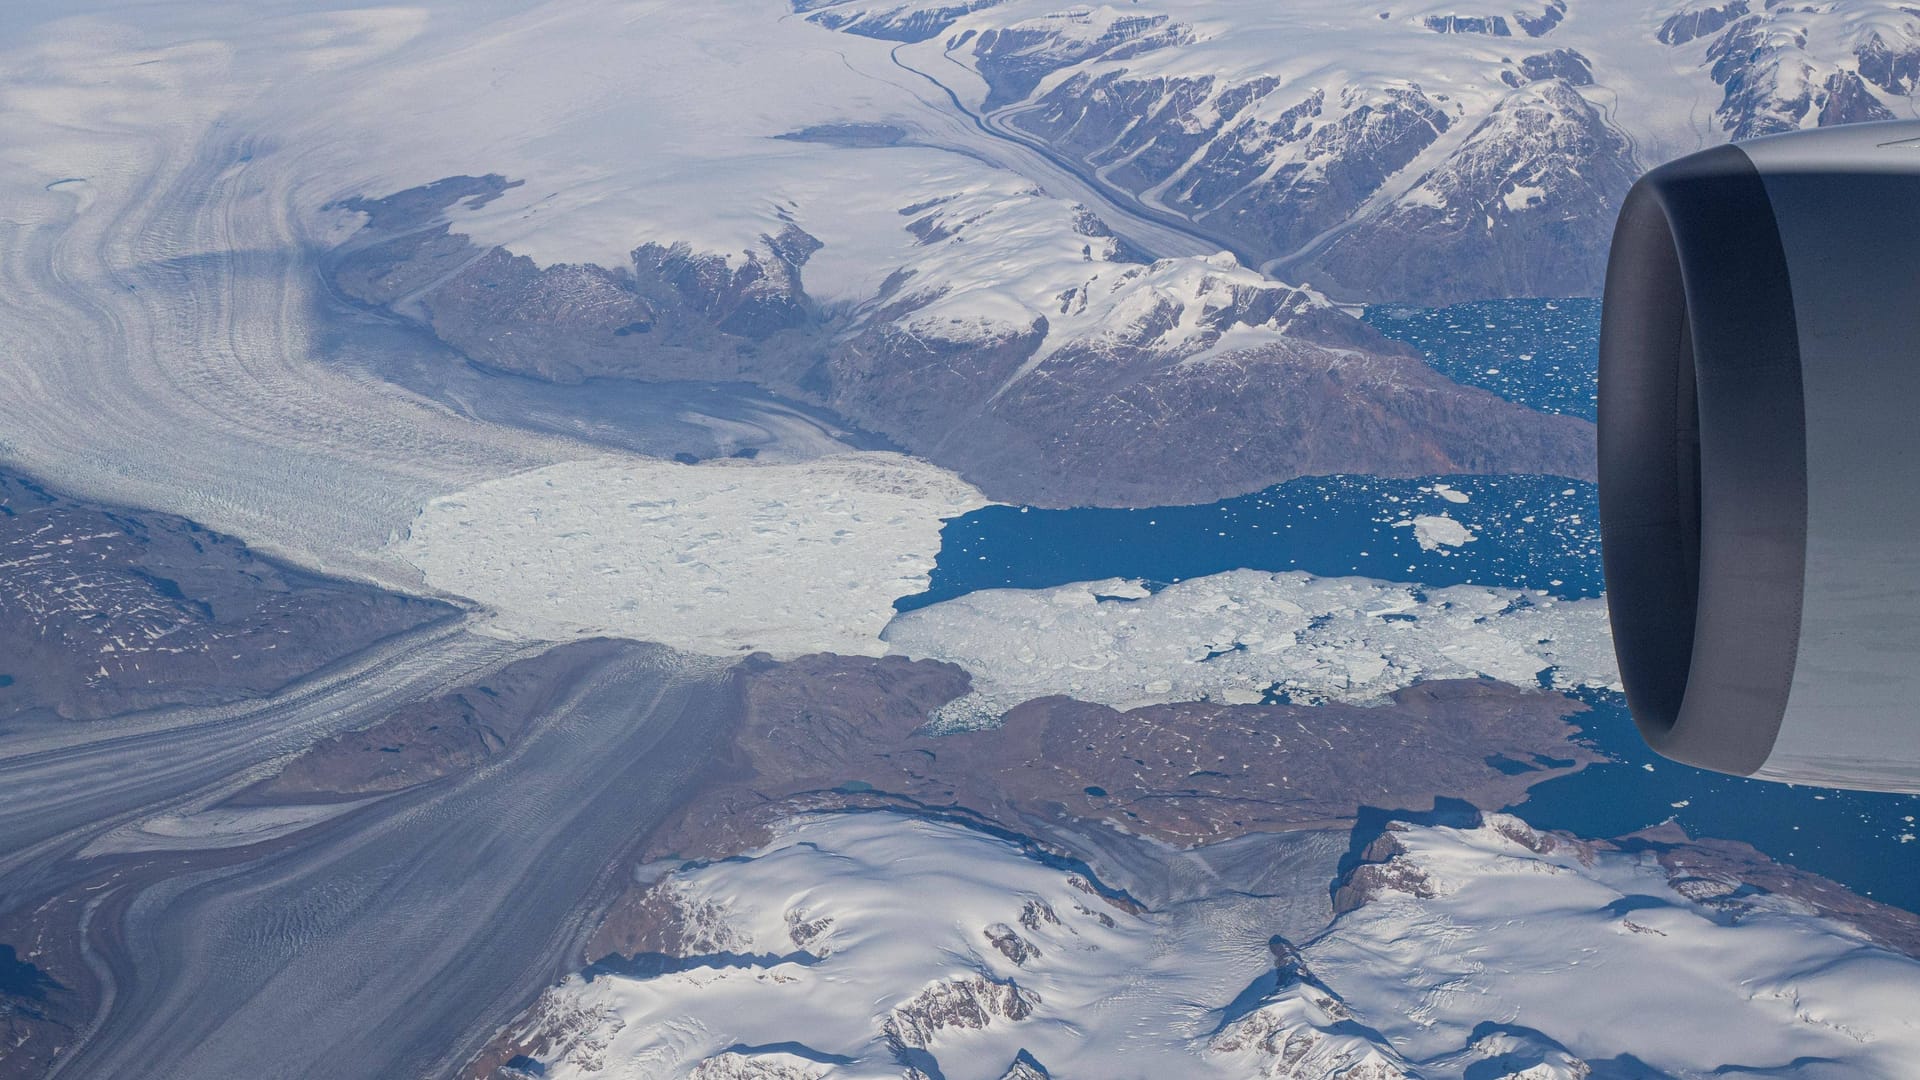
(106, 610)
(1277, 156)
(1079, 377)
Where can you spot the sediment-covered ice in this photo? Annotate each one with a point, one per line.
(723, 558)
(1248, 635)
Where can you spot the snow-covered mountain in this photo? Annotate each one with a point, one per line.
(1013, 337)
(872, 945)
(1487, 148)
(988, 231)
(568, 191)
(1492, 941)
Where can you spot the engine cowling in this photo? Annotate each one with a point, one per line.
(1760, 456)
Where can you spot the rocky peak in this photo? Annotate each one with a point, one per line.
(963, 1003)
(1517, 200)
(1697, 22)
(1894, 67)
(740, 1066)
(1539, 22)
(1510, 1052)
(807, 933)
(1015, 59)
(1383, 868)
(666, 920)
(1786, 67)
(1037, 913)
(1303, 1031)
(904, 22)
(1567, 65)
(756, 298)
(1025, 1067)
(1011, 944)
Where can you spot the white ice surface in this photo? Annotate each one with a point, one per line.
(1435, 531)
(1606, 959)
(1241, 635)
(722, 558)
(1598, 958)
(909, 904)
(156, 296)
(165, 165)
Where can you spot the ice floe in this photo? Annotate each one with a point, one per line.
(1247, 635)
(721, 558)
(1435, 531)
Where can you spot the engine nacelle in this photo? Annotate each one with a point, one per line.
(1760, 456)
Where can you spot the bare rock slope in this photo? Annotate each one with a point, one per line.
(106, 610)
(1138, 384)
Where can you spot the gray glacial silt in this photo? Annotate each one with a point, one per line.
(64, 786)
(390, 937)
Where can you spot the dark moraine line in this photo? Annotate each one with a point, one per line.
(64, 784)
(391, 941)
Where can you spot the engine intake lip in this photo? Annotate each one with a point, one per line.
(1702, 455)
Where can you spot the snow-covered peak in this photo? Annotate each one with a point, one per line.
(1000, 259)
(1279, 128)
(1492, 952)
(949, 951)
(1793, 66)
(770, 1065)
(1301, 1030)
(1571, 953)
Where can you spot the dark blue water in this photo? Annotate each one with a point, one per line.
(1533, 532)
(1868, 841)
(21, 979)
(1543, 353)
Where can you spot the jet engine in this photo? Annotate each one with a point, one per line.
(1760, 456)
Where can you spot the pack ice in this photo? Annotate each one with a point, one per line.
(1247, 635)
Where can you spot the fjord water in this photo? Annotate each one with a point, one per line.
(1541, 353)
(1536, 532)
(1868, 841)
(1530, 531)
